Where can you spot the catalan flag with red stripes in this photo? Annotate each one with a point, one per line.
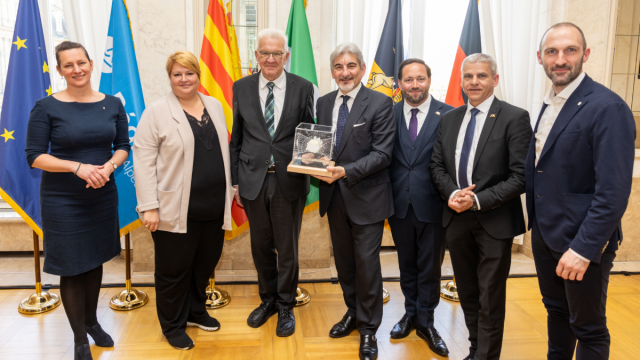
(218, 66)
(470, 43)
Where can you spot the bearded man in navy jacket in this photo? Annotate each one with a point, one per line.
(578, 180)
(417, 224)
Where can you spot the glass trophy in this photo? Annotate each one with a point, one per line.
(313, 147)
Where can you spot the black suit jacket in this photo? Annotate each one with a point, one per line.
(410, 177)
(251, 145)
(365, 153)
(498, 166)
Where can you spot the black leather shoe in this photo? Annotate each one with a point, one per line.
(403, 327)
(344, 327)
(82, 352)
(99, 336)
(286, 323)
(260, 315)
(368, 347)
(431, 335)
(469, 357)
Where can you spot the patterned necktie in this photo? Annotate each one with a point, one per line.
(343, 114)
(413, 125)
(466, 150)
(270, 113)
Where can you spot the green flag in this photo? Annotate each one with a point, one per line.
(301, 63)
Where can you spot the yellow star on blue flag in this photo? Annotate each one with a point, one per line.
(45, 68)
(8, 135)
(20, 43)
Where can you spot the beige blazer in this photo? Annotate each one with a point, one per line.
(163, 161)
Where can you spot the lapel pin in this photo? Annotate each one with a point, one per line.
(437, 112)
(492, 115)
(580, 103)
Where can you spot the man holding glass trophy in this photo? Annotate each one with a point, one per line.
(355, 191)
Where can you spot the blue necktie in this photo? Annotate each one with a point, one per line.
(466, 150)
(343, 114)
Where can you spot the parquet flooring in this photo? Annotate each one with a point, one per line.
(137, 333)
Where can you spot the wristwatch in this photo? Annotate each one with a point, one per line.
(114, 165)
(473, 207)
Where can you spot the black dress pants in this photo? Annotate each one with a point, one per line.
(420, 249)
(576, 310)
(481, 266)
(356, 249)
(184, 263)
(274, 224)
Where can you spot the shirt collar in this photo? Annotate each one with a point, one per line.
(484, 106)
(424, 107)
(566, 93)
(279, 82)
(351, 94)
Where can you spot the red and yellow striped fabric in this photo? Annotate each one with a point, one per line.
(218, 72)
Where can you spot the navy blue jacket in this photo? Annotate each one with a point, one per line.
(410, 177)
(580, 189)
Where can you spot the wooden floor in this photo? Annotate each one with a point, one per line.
(137, 333)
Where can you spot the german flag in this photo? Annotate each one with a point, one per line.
(219, 68)
(469, 44)
(389, 55)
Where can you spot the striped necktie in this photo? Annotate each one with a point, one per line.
(270, 114)
(466, 150)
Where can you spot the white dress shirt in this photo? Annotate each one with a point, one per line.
(336, 106)
(279, 89)
(555, 102)
(421, 115)
(554, 106)
(480, 119)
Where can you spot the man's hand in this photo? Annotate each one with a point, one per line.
(151, 219)
(462, 200)
(237, 197)
(571, 267)
(337, 172)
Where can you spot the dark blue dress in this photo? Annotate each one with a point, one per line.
(80, 225)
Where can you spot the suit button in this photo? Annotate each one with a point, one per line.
(407, 188)
(266, 162)
(272, 144)
(410, 169)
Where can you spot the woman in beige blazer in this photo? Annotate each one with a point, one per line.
(183, 185)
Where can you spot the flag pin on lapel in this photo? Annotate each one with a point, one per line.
(492, 115)
(580, 103)
(437, 112)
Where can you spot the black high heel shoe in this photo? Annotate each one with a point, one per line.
(82, 352)
(99, 336)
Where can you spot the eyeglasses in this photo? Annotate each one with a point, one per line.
(266, 55)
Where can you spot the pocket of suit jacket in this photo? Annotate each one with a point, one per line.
(576, 207)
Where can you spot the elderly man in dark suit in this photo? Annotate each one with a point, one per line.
(357, 198)
(578, 175)
(478, 167)
(267, 108)
(417, 223)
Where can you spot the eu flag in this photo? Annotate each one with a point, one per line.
(27, 81)
(120, 78)
(389, 55)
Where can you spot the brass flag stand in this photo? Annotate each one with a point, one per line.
(302, 296)
(216, 298)
(40, 301)
(386, 296)
(130, 298)
(449, 290)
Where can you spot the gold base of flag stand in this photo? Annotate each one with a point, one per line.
(302, 297)
(449, 290)
(130, 298)
(40, 301)
(216, 298)
(386, 296)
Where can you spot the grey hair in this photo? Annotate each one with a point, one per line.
(345, 48)
(481, 58)
(274, 34)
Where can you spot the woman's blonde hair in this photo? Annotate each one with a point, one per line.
(185, 59)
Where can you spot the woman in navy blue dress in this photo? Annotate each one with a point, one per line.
(78, 137)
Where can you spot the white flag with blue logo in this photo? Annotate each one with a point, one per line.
(120, 78)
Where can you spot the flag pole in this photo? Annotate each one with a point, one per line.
(40, 301)
(216, 298)
(130, 298)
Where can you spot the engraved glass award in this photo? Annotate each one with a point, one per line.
(313, 147)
